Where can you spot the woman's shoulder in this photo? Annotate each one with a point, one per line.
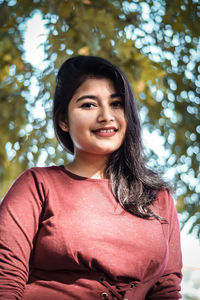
(40, 172)
(37, 176)
(165, 204)
(36, 180)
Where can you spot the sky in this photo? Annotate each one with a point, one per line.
(34, 36)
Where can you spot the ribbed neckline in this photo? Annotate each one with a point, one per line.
(78, 177)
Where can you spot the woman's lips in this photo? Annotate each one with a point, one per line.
(105, 132)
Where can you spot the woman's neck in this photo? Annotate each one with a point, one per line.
(90, 166)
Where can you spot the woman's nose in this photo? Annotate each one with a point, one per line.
(105, 114)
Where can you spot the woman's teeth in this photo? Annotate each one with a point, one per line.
(106, 130)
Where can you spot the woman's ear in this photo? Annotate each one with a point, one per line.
(63, 126)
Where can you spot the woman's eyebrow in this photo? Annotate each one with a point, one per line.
(86, 97)
(115, 95)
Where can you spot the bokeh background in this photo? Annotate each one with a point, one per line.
(155, 42)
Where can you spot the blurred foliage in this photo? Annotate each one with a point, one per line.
(155, 42)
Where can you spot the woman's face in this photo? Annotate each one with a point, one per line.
(96, 119)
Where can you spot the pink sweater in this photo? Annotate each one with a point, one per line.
(63, 237)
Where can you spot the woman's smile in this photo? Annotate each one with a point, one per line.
(105, 131)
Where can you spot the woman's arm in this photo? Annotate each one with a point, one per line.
(20, 213)
(168, 286)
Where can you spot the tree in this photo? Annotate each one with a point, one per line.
(176, 37)
(154, 42)
(14, 76)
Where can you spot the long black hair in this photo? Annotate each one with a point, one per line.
(134, 185)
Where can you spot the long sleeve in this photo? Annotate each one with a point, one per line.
(20, 213)
(168, 286)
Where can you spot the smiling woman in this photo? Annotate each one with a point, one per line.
(103, 226)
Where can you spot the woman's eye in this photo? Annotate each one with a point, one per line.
(88, 105)
(117, 103)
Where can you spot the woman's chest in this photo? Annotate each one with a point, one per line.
(89, 229)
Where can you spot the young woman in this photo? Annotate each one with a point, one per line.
(102, 227)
